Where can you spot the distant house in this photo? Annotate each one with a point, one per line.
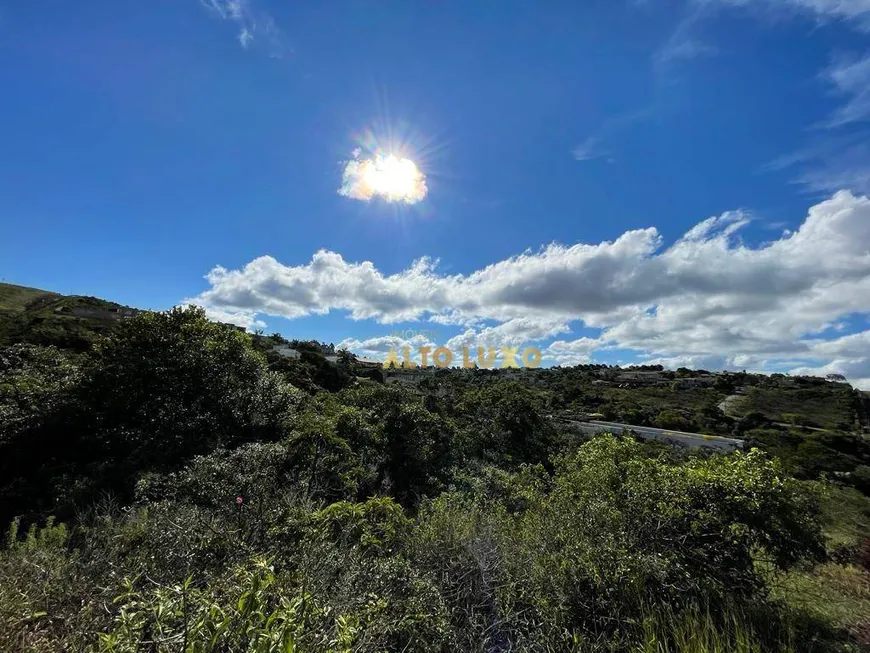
(368, 362)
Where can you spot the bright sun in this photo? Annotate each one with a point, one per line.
(393, 178)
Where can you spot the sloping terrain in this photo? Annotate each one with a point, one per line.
(820, 404)
(41, 317)
(16, 299)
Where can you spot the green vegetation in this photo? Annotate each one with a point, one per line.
(15, 299)
(178, 486)
(28, 315)
(809, 402)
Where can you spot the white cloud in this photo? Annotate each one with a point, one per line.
(707, 295)
(245, 37)
(856, 370)
(252, 24)
(392, 178)
(853, 346)
(515, 332)
(851, 78)
(378, 347)
(857, 11)
(575, 352)
(833, 162)
(685, 43)
(682, 49)
(588, 150)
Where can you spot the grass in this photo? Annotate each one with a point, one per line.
(828, 406)
(27, 315)
(16, 299)
(835, 594)
(664, 397)
(845, 516)
(729, 630)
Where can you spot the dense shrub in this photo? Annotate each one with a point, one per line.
(616, 530)
(163, 388)
(504, 423)
(210, 506)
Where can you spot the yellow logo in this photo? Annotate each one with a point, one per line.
(442, 357)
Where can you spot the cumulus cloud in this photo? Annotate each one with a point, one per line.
(392, 178)
(515, 332)
(856, 370)
(378, 347)
(706, 295)
(575, 352)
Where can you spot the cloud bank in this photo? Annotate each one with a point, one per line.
(707, 297)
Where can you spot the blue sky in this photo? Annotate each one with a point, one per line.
(678, 182)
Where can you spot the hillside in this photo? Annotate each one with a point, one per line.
(813, 403)
(16, 299)
(40, 317)
(185, 482)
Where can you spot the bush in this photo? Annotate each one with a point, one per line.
(670, 419)
(251, 614)
(617, 530)
(162, 389)
(504, 423)
(37, 580)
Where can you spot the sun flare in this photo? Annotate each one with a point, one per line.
(393, 178)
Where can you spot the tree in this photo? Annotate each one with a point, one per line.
(33, 381)
(161, 389)
(172, 385)
(505, 423)
(416, 443)
(671, 419)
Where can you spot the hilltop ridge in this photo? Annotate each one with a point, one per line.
(43, 317)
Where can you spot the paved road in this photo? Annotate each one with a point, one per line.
(674, 437)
